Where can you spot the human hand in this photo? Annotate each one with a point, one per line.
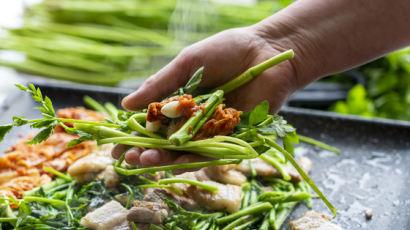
(225, 56)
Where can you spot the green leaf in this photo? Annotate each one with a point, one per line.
(19, 121)
(4, 129)
(289, 140)
(49, 106)
(42, 135)
(194, 81)
(43, 123)
(22, 87)
(259, 113)
(278, 126)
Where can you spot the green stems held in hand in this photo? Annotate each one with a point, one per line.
(194, 123)
(254, 71)
(129, 172)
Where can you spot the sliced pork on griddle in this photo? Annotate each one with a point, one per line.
(265, 169)
(312, 220)
(148, 212)
(158, 194)
(85, 169)
(106, 217)
(228, 197)
(225, 174)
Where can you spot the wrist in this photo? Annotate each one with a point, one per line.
(282, 33)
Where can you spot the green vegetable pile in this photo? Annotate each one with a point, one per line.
(62, 203)
(387, 90)
(256, 135)
(103, 42)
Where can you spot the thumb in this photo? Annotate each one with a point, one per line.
(160, 85)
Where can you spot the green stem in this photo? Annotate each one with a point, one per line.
(282, 197)
(128, 172)
(236, 222)
(272, 161)
(251, 210)
(189, 129)
(202, 185)
(254, 71)
(112, 111)
(45, 200)
(131, 195)
(57, 173)
(303, 174)
(156, 185)
(87, 122)
(93, 104)
(248, 223)
(136, 126)
(319, 144)
(8, 219)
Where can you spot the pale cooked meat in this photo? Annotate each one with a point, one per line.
(110, 176)
(199, 175)
(264, 169)
(227, 198)
(124, 226)
(85, 169)
(148, 212)
(312, 220)
(158, 194)
(106, 217)
(225, 174)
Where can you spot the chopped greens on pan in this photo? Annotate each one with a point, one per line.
(185, 121)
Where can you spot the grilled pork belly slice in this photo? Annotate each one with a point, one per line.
(264, 169)
(148, 212)
(312, 220)
(227, 198)
(225, 174)
(110, 176)
(158, 194)
(85, 169)
(106, 217)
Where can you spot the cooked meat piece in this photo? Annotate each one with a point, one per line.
(86, 168)
(264, 169)
(17, 186)
(225, 174)
(106, 217)
(110, 176)
(124, 226)
(312, 220)
(199, 175)
(148, 212)
(227, 198)
(157, 195)
(222, 122)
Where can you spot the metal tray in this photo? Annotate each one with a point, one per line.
(371, 173)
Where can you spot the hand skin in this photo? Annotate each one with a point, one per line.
(328, 36)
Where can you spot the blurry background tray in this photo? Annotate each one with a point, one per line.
(371, 173)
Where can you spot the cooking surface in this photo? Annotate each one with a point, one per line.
(371, 173)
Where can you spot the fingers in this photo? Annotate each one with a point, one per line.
(118, 150)
(155, 157)
(161, 84)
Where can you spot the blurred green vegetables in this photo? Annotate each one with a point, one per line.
(387, 90)
(106, 41)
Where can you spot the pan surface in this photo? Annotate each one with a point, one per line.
(372, 172)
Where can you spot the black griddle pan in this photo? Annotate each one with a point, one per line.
(371, 173)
